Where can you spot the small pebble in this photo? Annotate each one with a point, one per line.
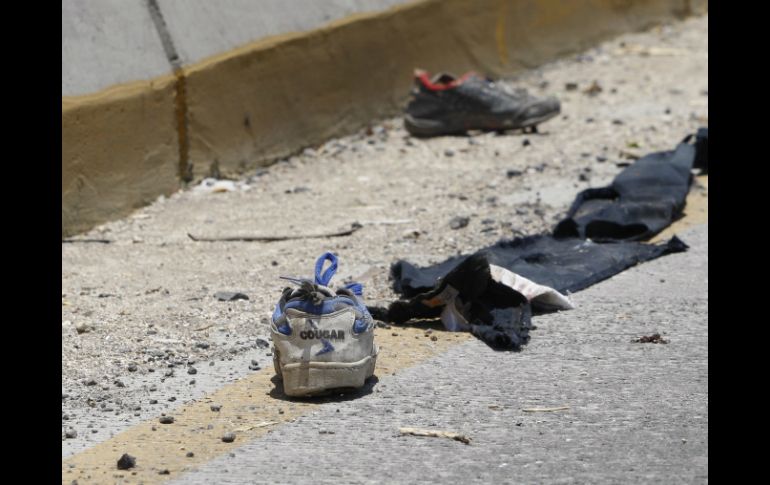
(70, 433)
(231, 295)
(190, 454)
(166, 419)
(228, 437)
(132, 368)
(164, 472)
(410, 234)
(458, 222)
(192, 370)
(216, 407)
(153, 401)
(126, 461)
(525, 142)
(449, 152)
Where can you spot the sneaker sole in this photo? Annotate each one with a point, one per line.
(428, 127)
(312, 378)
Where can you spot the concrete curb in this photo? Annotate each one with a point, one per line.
(118, 152)
(271, 98)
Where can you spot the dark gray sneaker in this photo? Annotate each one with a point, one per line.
(449, 105)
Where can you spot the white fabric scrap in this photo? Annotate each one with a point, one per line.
(533, 292)
(543, 295)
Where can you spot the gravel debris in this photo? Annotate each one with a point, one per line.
(126, 462)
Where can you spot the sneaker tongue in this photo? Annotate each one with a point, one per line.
(443, 78)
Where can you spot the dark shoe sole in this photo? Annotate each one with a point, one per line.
(423, 127)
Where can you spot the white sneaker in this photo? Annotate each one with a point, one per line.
(322, 339)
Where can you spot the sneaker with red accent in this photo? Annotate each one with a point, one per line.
(323, 339)
(448, 105)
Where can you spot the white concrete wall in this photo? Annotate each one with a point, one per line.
(202, 28)
(108, 42)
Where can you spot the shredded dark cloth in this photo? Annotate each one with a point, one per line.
(496, 313)
(644, 199)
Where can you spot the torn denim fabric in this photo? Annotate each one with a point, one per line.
(565, 265)
(494, 292)
(643, 199)
(470, 298)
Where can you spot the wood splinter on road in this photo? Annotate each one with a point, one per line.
(347, 232)
(259, 425)
(545, 410)
(435, 434)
